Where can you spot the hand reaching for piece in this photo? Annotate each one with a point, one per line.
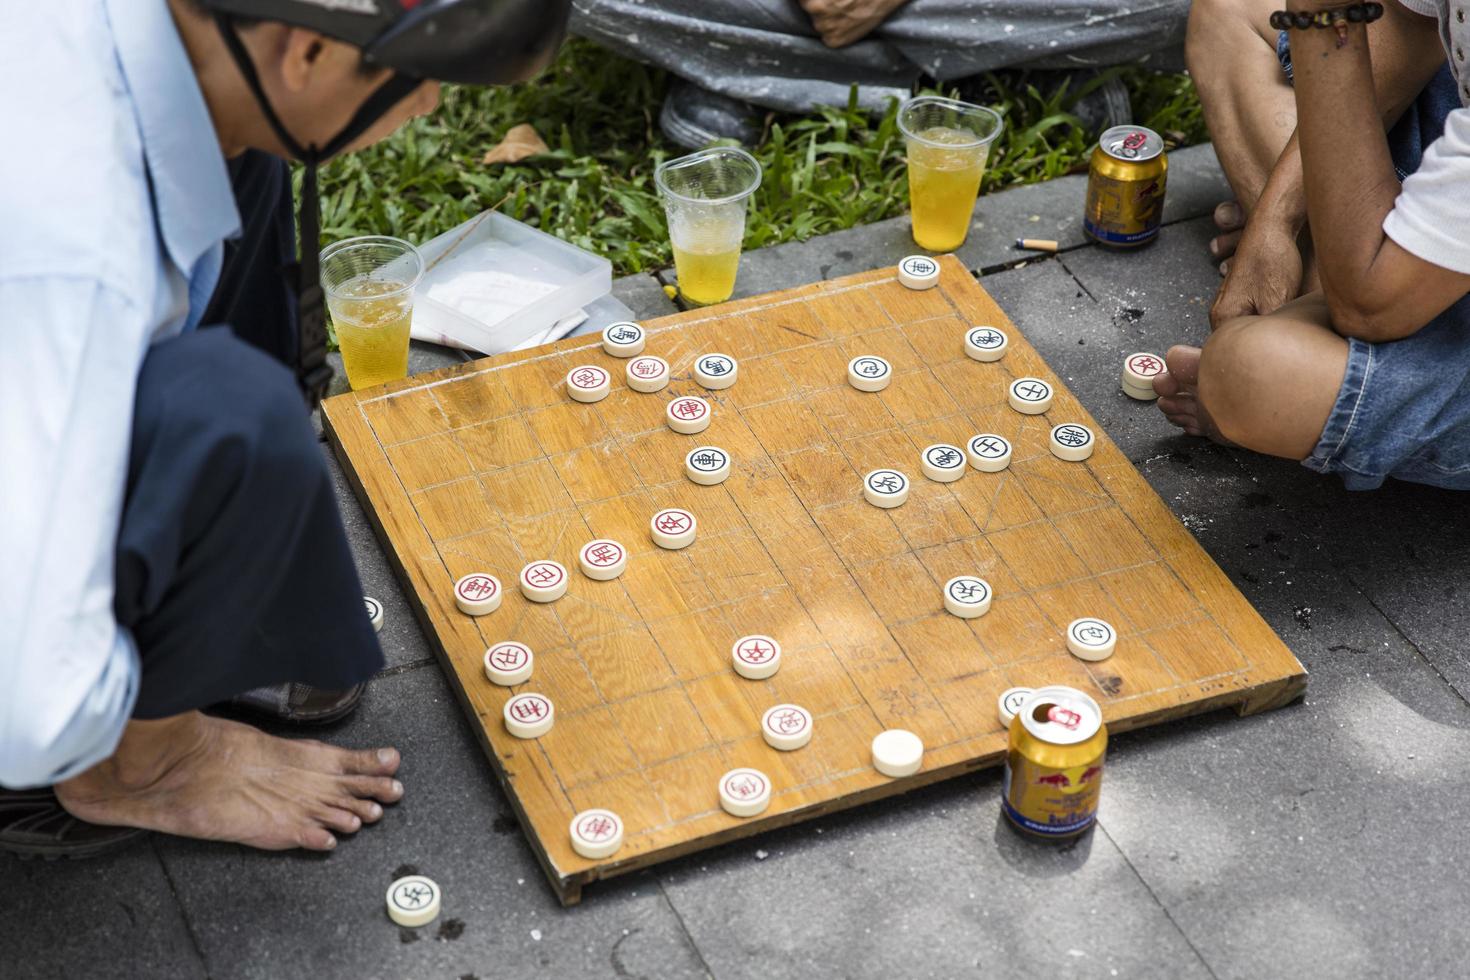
(843, 22)
(1265, 273)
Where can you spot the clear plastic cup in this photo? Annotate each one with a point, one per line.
(948, 145)
(705, 197)
(369, 284)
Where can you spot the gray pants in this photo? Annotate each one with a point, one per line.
(766, 52)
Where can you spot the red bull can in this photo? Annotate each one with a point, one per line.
(1125, 187)
(1054, 764)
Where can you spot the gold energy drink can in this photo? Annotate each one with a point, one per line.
(1054, 764)
(1125, 187)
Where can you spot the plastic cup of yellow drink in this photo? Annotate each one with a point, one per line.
(369, 284)
(705, 197)
(948, 145)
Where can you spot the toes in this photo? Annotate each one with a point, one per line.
(1224, 268)
(1223, 246)
(384, 789)
(367, 811)
(316, 839)
(1179, 421)
(1166, 385)
(321, 757)
(1176, 404)
(1229, 216)
(372, 762)
(1186, 421)
(1183, 364)
(342, 821)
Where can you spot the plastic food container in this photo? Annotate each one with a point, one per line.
(494, 283)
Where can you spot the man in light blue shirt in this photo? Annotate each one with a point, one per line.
(170, 539)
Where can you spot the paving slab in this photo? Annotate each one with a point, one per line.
(1196, 184)
(1322, 839)
(1240, 506)
(1405, 548)
(1145, 300)
(1401, 545)
(1052, 209)
(1157, 295)
(644, 295)
(402, 640)
(932, 885)
(268, 916)
(1150, 300)
(115, 917)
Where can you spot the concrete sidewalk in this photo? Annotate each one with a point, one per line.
(1322, 839)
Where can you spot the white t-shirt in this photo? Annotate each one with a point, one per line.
(1431, 217)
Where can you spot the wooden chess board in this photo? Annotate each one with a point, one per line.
(489, 465)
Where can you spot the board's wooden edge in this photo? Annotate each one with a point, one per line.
(1279, 693)
(341, 416)
(1273, 696)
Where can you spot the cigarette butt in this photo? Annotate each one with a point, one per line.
(1037, 244)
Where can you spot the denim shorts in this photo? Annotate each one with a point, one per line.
(1404, 407)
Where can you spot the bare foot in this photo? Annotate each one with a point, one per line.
(197, 776)
(1230, 219)
(1177, 398)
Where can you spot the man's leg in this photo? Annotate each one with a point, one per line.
(232, 572)
(1265, 383)
(763, 52)
(255, 299)
(951, 39)
(1248, 103)
(233, 568)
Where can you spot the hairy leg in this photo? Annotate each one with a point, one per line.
(1248, 105)
(1266, 383)
(198, 776)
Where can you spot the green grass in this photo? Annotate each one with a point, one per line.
(824, 172)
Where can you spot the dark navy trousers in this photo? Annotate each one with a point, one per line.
(233, 570)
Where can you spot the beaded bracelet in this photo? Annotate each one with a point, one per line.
(1358, 13)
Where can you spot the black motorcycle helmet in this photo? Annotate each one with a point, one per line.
(476, 42)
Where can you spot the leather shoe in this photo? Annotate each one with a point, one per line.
(300, 704)
(694, 117)
(33, 824)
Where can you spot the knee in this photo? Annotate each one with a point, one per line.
(1234, 368)
(234, 405)
(263, 415)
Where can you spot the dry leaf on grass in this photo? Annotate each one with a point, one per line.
(522, 141)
